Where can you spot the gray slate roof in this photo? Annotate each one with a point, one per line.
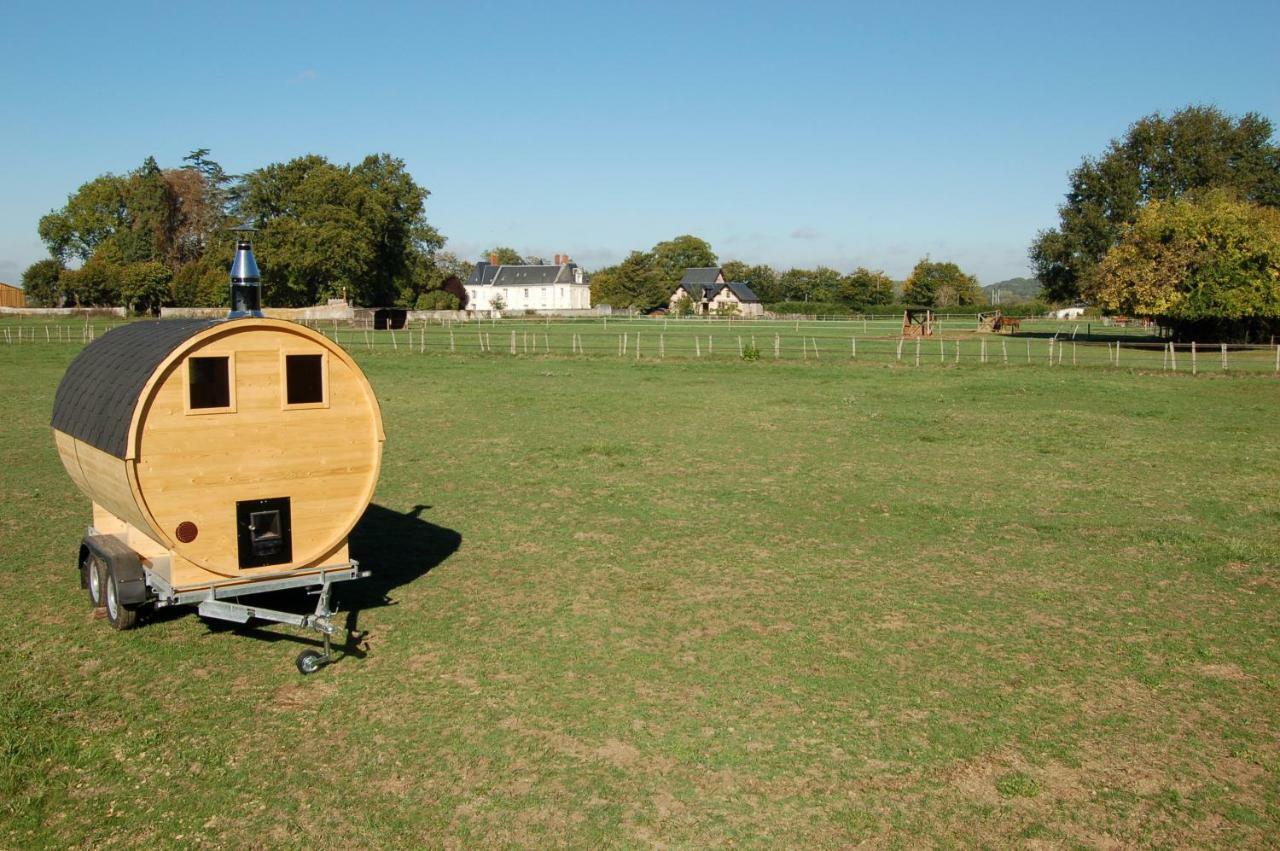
(100, 389)
(708, 291)
(701, 275)
(520, 276)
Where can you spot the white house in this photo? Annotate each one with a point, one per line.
(711, 293)
(1069, 313)
(554, 286)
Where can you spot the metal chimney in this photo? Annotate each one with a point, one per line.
(246, 283)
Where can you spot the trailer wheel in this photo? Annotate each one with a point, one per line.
(308, 662)
(119, 615)
(93, 576)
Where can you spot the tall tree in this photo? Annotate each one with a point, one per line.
(1208, 266)
(939, 284)
(1159, 158)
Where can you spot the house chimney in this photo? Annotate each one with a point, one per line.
(493, 258)
(246, 283)
(557, 259)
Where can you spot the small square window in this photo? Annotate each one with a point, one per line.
(209, 382)
(304, 379)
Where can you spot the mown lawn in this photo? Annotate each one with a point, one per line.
(697, 603)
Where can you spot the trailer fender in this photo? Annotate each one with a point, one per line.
(122, 563)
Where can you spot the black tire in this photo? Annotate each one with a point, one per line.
(308, 662)
(119, 615)
(93, 576)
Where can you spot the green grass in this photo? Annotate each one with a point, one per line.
(700, 602)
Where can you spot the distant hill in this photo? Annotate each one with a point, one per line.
(1014, 289)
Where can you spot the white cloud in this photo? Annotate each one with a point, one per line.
(806, 233)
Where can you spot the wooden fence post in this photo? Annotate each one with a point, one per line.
(1224, 356)
(1004, 352)
(917, 351)
(1193, 357)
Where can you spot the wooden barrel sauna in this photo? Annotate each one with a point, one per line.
(221, 449)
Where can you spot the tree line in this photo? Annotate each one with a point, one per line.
(158, 236)
(648, 279)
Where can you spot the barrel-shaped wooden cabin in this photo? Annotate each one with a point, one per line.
(221, 450)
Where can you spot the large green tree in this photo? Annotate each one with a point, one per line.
(41, 283)
(762, 280)
(330, 229)
(95, 284)
(940, 284)
(672, 256)
(636, 282)
(1159, 158)
(144, 285)
(863, 288)
(1208, 266)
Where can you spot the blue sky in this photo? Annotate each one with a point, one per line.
(787, 133)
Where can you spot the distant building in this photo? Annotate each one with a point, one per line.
(11, 296)
(712, 294)
(1069, 313)
(555, 286)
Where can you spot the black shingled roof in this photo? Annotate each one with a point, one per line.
(100, 389)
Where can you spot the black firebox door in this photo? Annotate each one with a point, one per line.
(264, 532)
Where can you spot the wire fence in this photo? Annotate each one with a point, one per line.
(1049, 344)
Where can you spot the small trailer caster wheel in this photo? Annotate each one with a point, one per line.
(309, 661)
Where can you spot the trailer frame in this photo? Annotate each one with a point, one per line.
(219, 600)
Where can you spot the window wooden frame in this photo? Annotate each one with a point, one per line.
(285, 354)
(231, 384)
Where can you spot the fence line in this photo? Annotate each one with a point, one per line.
(830, 344)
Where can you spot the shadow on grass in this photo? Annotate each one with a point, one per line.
(396, 548)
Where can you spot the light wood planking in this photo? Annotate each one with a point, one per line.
(196, 465)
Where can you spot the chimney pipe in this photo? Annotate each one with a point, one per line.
(493, 258)
(246, 283)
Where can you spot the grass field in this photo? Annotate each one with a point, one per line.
(692, 603)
